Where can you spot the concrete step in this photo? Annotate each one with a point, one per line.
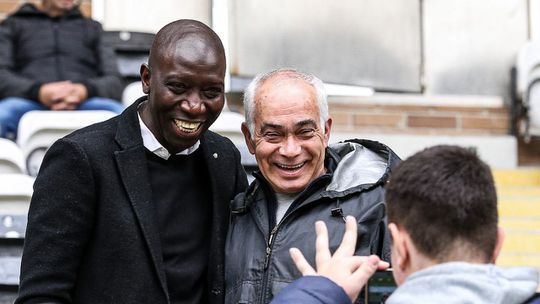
(518, 192)
(526, 207)
(516, 177)
(520, 241)
(520, 223)
(519, 259)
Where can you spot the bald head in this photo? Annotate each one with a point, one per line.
(188, 39)
(184, 81)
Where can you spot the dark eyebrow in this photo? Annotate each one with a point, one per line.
(267, 126)
(306, 122)
(302, 123)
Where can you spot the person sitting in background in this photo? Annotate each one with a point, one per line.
(53, 58)
(442, 214)
(302, 179)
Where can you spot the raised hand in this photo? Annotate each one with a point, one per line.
(344, 268)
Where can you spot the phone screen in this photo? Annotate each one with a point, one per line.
(379, 287)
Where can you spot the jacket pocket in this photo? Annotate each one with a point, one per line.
(242, 293)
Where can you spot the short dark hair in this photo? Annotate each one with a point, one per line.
(445, 198)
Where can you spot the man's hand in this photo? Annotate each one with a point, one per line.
(51, 93)
(62, 95)
(343, 268)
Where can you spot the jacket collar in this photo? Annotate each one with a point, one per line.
(132, 166)
(339, 159)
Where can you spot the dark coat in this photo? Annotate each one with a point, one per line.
(37, 49)
(92, 236)
(258, 264)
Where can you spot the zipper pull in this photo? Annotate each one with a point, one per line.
(338, 212)
(267, 259)
(269, 248)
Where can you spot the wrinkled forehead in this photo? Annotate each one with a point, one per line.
(285, 87)
(286, 78)
(286, 99)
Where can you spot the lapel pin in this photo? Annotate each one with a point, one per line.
(215, 155)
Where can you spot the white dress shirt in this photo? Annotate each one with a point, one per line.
(152, 144)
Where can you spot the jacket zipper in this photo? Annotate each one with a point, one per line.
(269, 247)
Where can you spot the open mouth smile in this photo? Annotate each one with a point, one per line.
(291, 168)
(187, 126)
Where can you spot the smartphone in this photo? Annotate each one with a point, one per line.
(379, 287)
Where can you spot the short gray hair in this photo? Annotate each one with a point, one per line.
(256, 83)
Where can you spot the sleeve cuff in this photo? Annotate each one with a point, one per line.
(312, 289)
(91, 90)
(33, 92)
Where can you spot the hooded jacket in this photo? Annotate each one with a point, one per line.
(36, 49)
(455, 282)
(462, 283)
(257, 258)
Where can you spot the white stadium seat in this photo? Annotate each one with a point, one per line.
(528, 87)
(131, 93)
(38, 130)
(11, 157)
(15, 195)
(228, 124)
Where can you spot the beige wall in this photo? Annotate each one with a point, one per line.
(471, 45)
(148, 16)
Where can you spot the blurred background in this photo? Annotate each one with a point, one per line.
(408, 73)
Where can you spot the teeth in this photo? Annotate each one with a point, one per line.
(293, 167)
(186, 125)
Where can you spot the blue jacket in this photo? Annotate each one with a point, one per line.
(454, 282)
(312, 290)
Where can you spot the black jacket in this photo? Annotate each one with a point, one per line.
(92, 235)
(257, 260)
(37, 49)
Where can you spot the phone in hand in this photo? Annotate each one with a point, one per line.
(379, 287)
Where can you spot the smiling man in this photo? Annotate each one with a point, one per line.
(301, 180)
(135, 209)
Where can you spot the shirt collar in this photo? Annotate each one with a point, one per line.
(152, 144)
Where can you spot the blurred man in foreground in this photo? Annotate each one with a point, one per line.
(442, 213)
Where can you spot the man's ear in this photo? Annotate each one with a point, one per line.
(401, 256)
(247, 138)
(145, 78)
(327, 128)
(498, 244)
